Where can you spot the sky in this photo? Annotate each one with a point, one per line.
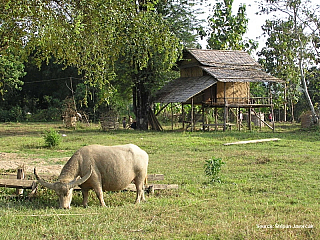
(255, 21)
(254, 24)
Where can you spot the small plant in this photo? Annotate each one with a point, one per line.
(212, 168)
(52, 138)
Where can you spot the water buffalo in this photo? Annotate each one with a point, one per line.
(101, 168)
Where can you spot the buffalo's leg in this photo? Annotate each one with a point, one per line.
(99, 194)
(140, 190)
(85, 195)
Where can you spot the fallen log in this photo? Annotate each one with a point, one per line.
(252, 141)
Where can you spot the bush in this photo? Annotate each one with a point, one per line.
(212, 168)
(52, 138)
(15, 114)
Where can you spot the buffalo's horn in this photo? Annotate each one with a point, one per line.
(80, 181)
(43, 182)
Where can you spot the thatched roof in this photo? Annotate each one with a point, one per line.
(181, 89)
(231, 74)
(220, 65)
(223, 58)
(231, 66)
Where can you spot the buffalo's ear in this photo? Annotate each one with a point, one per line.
(43, 182)
(80, 181)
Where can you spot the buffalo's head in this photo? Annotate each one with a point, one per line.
(62, 188)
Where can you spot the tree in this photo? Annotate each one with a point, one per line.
(181, 17)
(279, 58)
(305, 32)
(163, 33)
(11, 70)
(228, 29)
(94, 35)
(157, 48)
(90, 35)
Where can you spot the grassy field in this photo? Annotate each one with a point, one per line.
(269, 190)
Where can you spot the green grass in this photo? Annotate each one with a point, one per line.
(263, 184)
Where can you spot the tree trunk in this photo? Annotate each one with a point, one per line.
(302, 76)
(141, 105)
(285, 103)
(306, 93)
(292, 111)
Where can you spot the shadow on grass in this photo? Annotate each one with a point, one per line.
(46, 198)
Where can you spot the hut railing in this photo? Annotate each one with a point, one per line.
(244, 100)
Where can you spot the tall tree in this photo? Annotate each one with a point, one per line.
(227, 30)
(305, 32)
(182, 19)
(173, 24)
(279, 58)
(150, 51)
(91, 35)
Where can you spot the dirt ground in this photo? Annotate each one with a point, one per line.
(11, 161)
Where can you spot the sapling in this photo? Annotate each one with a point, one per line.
(212, 168)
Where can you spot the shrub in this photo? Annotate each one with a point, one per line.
(212, 168)
(15, 114)
(52, 138)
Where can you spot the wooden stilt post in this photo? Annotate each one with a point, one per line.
(20, 175)
(216, 118)
(238, 119)
(272, 119)
(225, 118)
(171, 117)
(192, 123)
(183, 117)
(249, 119)
(259, 119)
(203, 116)
(225, 108)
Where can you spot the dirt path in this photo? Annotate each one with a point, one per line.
(11, 161)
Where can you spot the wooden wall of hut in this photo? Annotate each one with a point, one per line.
(236, 92)
(191, 72)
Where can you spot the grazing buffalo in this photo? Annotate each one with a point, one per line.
(101, 168)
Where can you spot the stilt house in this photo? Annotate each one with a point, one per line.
(216, 79)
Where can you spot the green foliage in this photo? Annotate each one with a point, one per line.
(212, 169)
(150, 50)
(91, 36)
(181, 17)
(291, 48)
(11, 70)
(279, 58)
(52, 138)
(14, 114)
(227, 29)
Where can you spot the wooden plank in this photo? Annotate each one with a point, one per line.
(16, 183)
(155, 177)
(30, 184)
(252, 141)
(164, 186)
(216, 125)
(151, 177)
(8, 175)
(132, 187)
